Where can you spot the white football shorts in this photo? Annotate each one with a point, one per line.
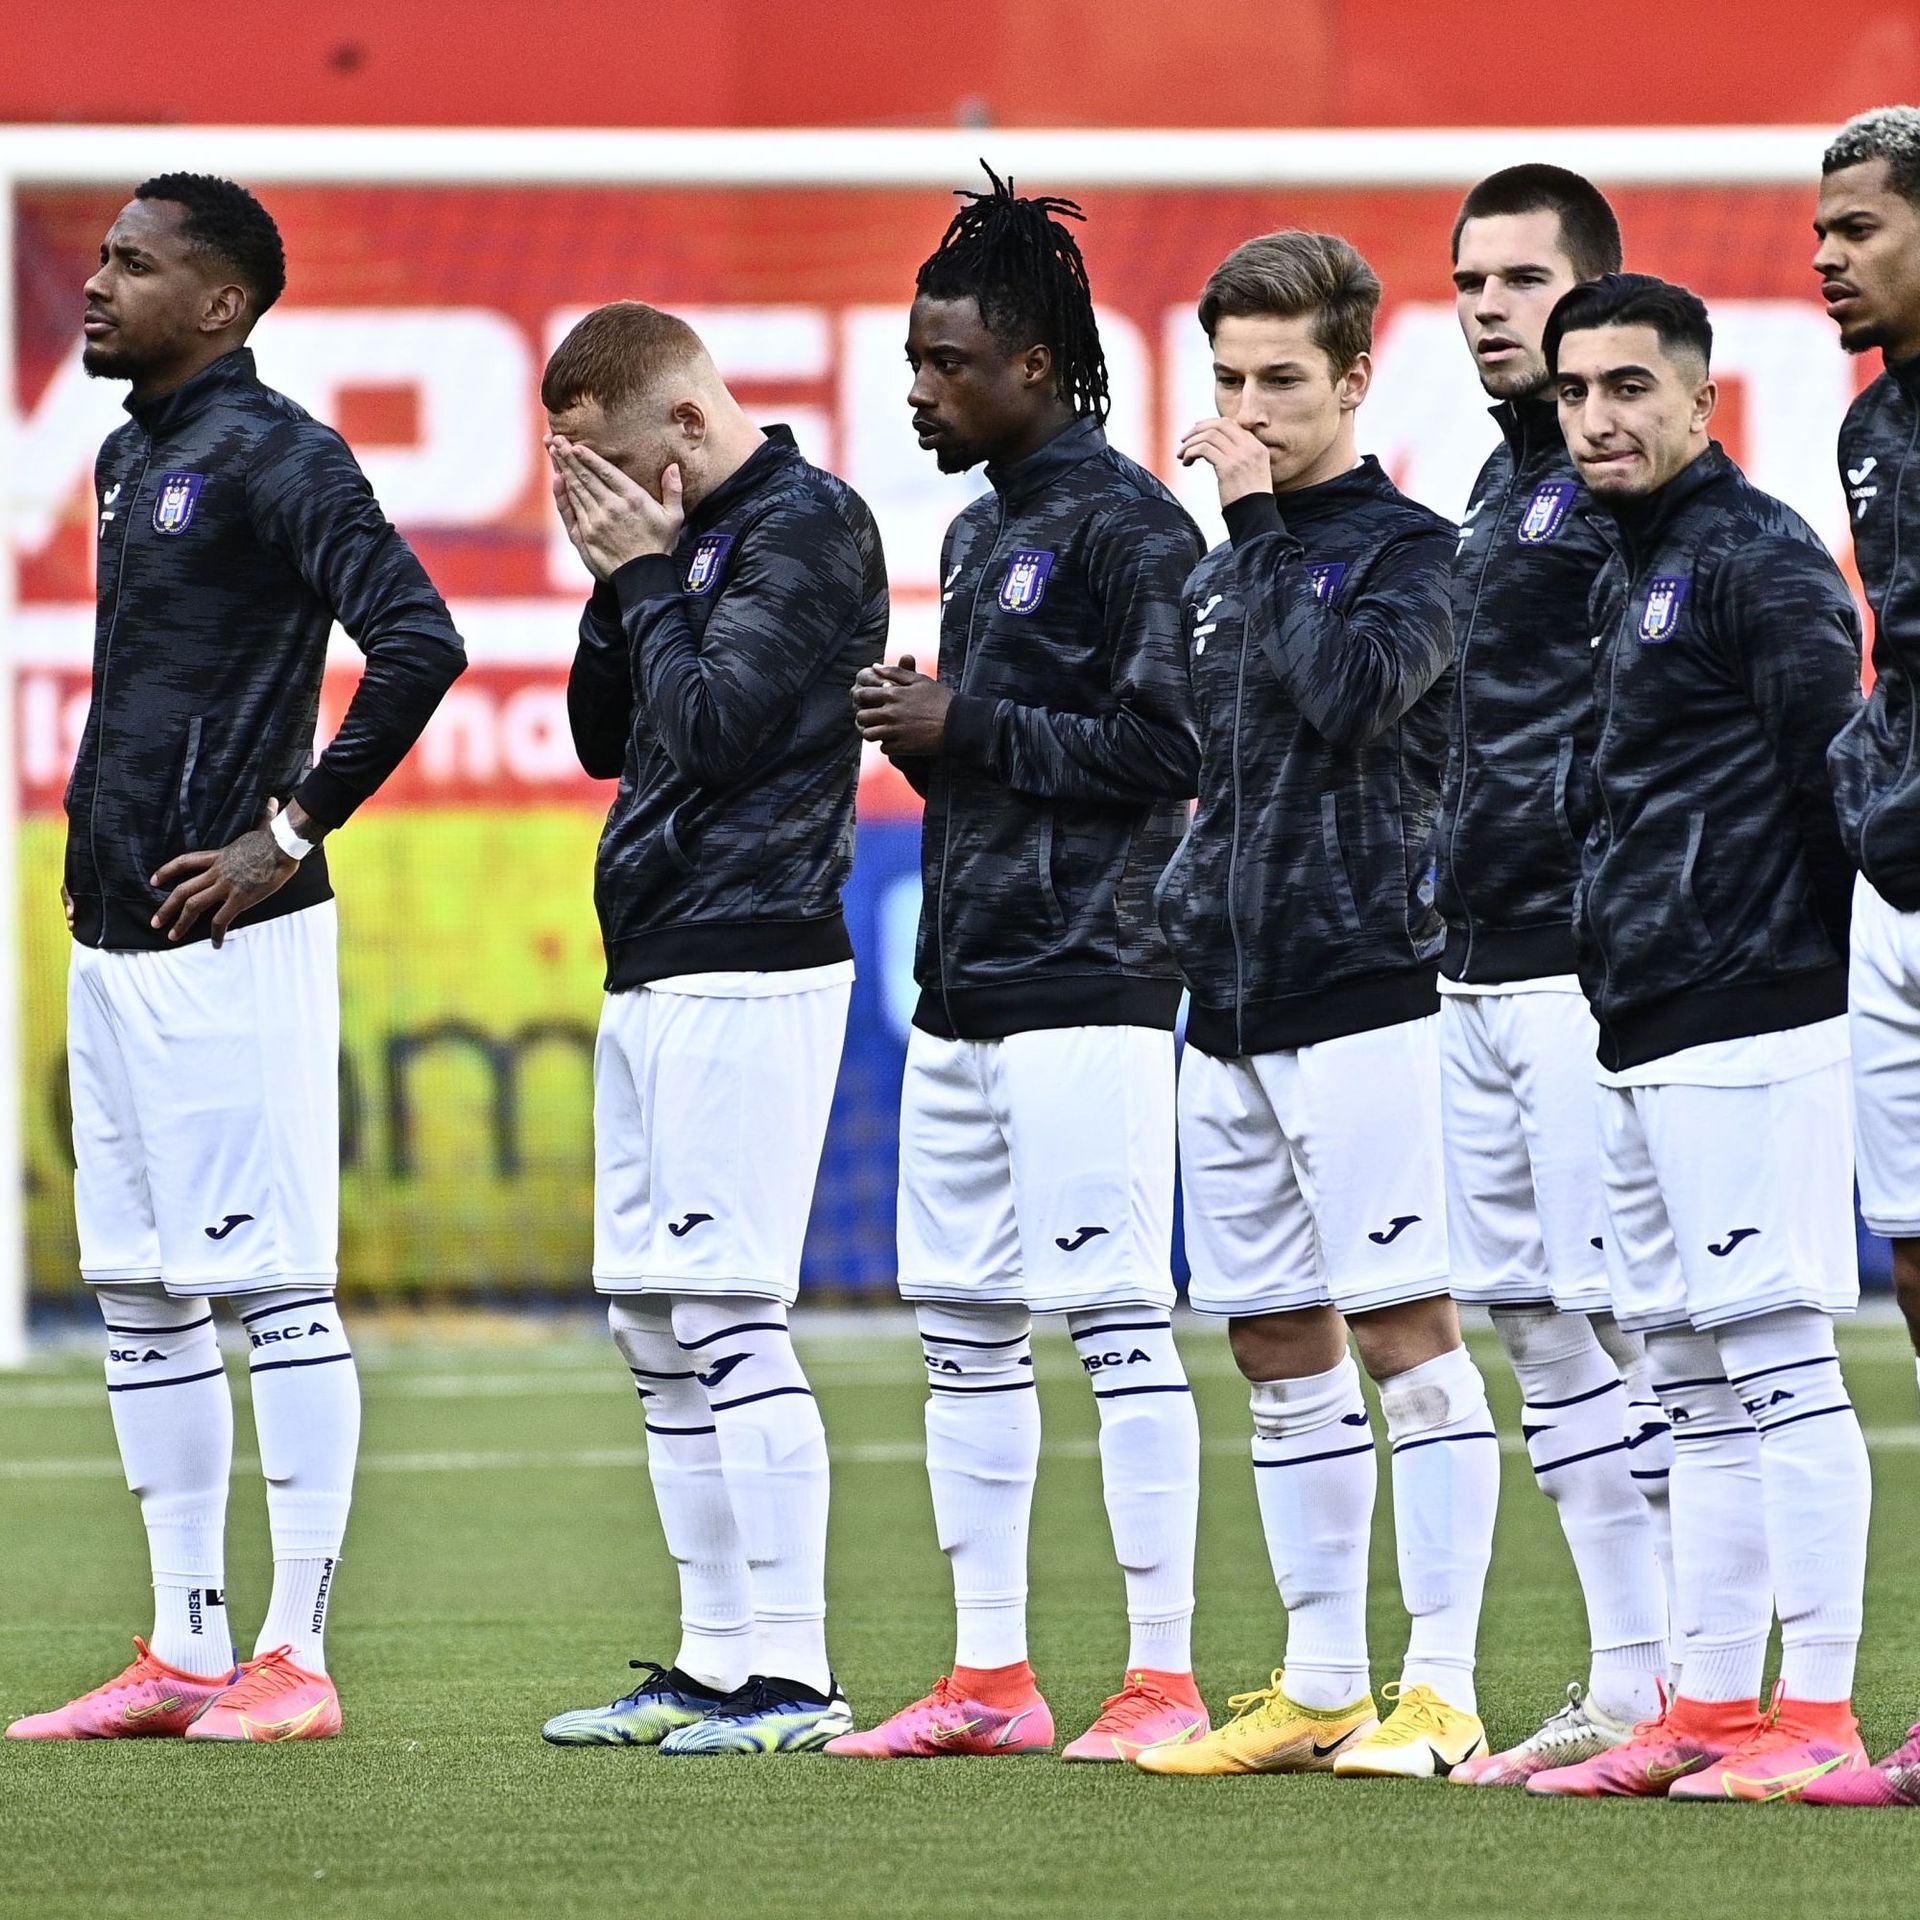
(1883, 995)
(1312, 1177)
(206, 1109)
(1038, 1169)
(710, 1104)
(1526, 1220)
(1730, 1198)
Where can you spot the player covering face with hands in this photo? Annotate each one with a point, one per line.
(1299, 908)
(738, 590)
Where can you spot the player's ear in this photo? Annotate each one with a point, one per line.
(1036, 367)
(689, 423)
(1705, 398)
(1355, 383)
(223, 306)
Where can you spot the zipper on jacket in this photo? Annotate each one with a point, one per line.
(106, 666)
(946, 823)
(1600, 786)
(1879, 614)
(1233, 845)
(1460, 674)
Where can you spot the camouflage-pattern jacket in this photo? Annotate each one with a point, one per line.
(1070, 749)
(1876, 762)
(1523, 574)
(233, 531)
(1714, 889)
(717, 683)
(1300, 906)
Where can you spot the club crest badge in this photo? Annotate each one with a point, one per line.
(1026, 583)
(173, 509)
(1326, 576)
(703, 570)
(1666, 595)
(1546, 512)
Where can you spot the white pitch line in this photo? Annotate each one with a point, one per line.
(879, 1453)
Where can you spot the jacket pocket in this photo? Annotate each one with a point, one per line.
(670, 829)
(190, 836)
(1689, 892)
(1338, 879)
(1043, 862)
(1562, 792)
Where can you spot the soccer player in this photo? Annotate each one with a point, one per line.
(203, 1006)
(738, 589)
(1300, 909)
(1713, 936)
(1036, 1136)
(1525, 1218)
(1869, 267)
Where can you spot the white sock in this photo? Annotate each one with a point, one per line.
(306, 1417)
(173, 1417)
(1725, 1598)
(1574, 1422)
(690, 1490)
(1650, 1441)
(1446, 1487)
(983, 1450)
(1813, 1463)
(1150, 1472)
(1316, 1475)
(773, 1454)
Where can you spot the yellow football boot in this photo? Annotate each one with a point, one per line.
(1268, 1734)
(1421, 1739)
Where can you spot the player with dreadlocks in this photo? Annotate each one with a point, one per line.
(1056, 751)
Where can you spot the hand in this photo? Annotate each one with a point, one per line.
(610, 518)
(66, 902)
(1240, 463)
(226, 881)
(901, 710)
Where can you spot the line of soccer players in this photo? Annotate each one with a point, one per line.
(1588, 777)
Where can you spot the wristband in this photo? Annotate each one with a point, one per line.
(286, 839)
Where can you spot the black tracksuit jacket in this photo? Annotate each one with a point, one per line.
(1714, 888)
(717, 683)
(1070, 750)
(1523, 574)
(233, 531)
(1876, 762)
(1300, 906)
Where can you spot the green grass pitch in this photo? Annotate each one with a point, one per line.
(504, 1562)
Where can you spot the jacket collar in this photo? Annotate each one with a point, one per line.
(1366, 481)
(1905, 374)
(1639, 523)
(1078, 440)
(770, 457)
(173, 410)
(1529, 426)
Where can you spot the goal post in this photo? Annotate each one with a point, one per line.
(793, 250)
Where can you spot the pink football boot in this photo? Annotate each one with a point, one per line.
(149, 1701)
(947, 1722)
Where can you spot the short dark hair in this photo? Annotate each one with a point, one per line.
(618, 353)
(1588, 230)
(225, 220)
(1676, 314)
(1022, 268)
(1292, 273)
(1891, 134)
